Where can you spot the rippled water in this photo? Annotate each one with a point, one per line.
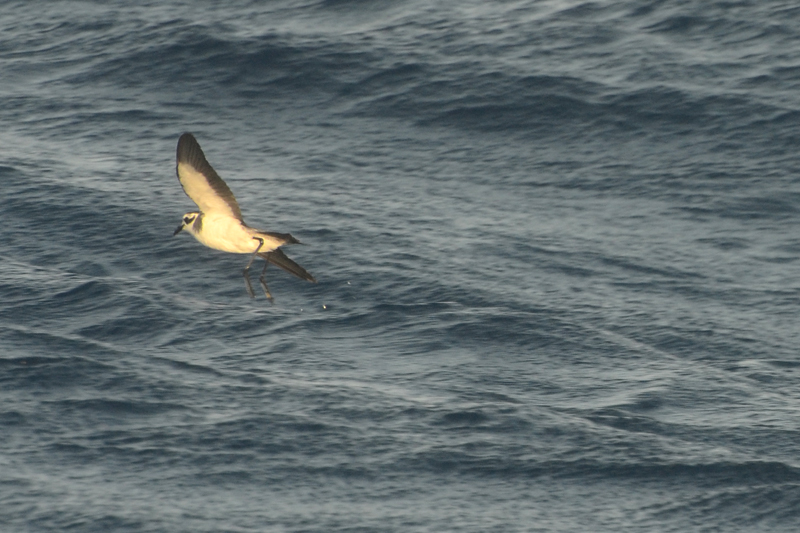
(556, 245)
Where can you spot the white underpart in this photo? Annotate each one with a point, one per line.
(228, 234)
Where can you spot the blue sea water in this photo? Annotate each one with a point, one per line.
(556, 242)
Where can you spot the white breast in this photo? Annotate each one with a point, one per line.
(225, 233)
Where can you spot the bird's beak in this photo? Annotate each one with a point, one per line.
(178, 230)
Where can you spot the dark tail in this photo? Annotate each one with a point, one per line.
(278, 258)
(285, 237)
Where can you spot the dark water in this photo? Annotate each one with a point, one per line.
(556, 243)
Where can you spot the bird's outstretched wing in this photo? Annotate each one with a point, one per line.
(201, 182)
(278, 258)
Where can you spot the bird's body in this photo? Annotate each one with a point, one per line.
(228, 234)
(219, 222)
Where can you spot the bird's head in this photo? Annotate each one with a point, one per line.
(187, 222)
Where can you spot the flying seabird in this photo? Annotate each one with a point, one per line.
(219, 222)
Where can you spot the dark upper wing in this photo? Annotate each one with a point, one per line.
(278, 258)
(201, 182)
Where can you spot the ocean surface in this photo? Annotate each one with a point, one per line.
(557, 245)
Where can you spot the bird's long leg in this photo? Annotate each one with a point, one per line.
(246, 271)
(263, 280)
